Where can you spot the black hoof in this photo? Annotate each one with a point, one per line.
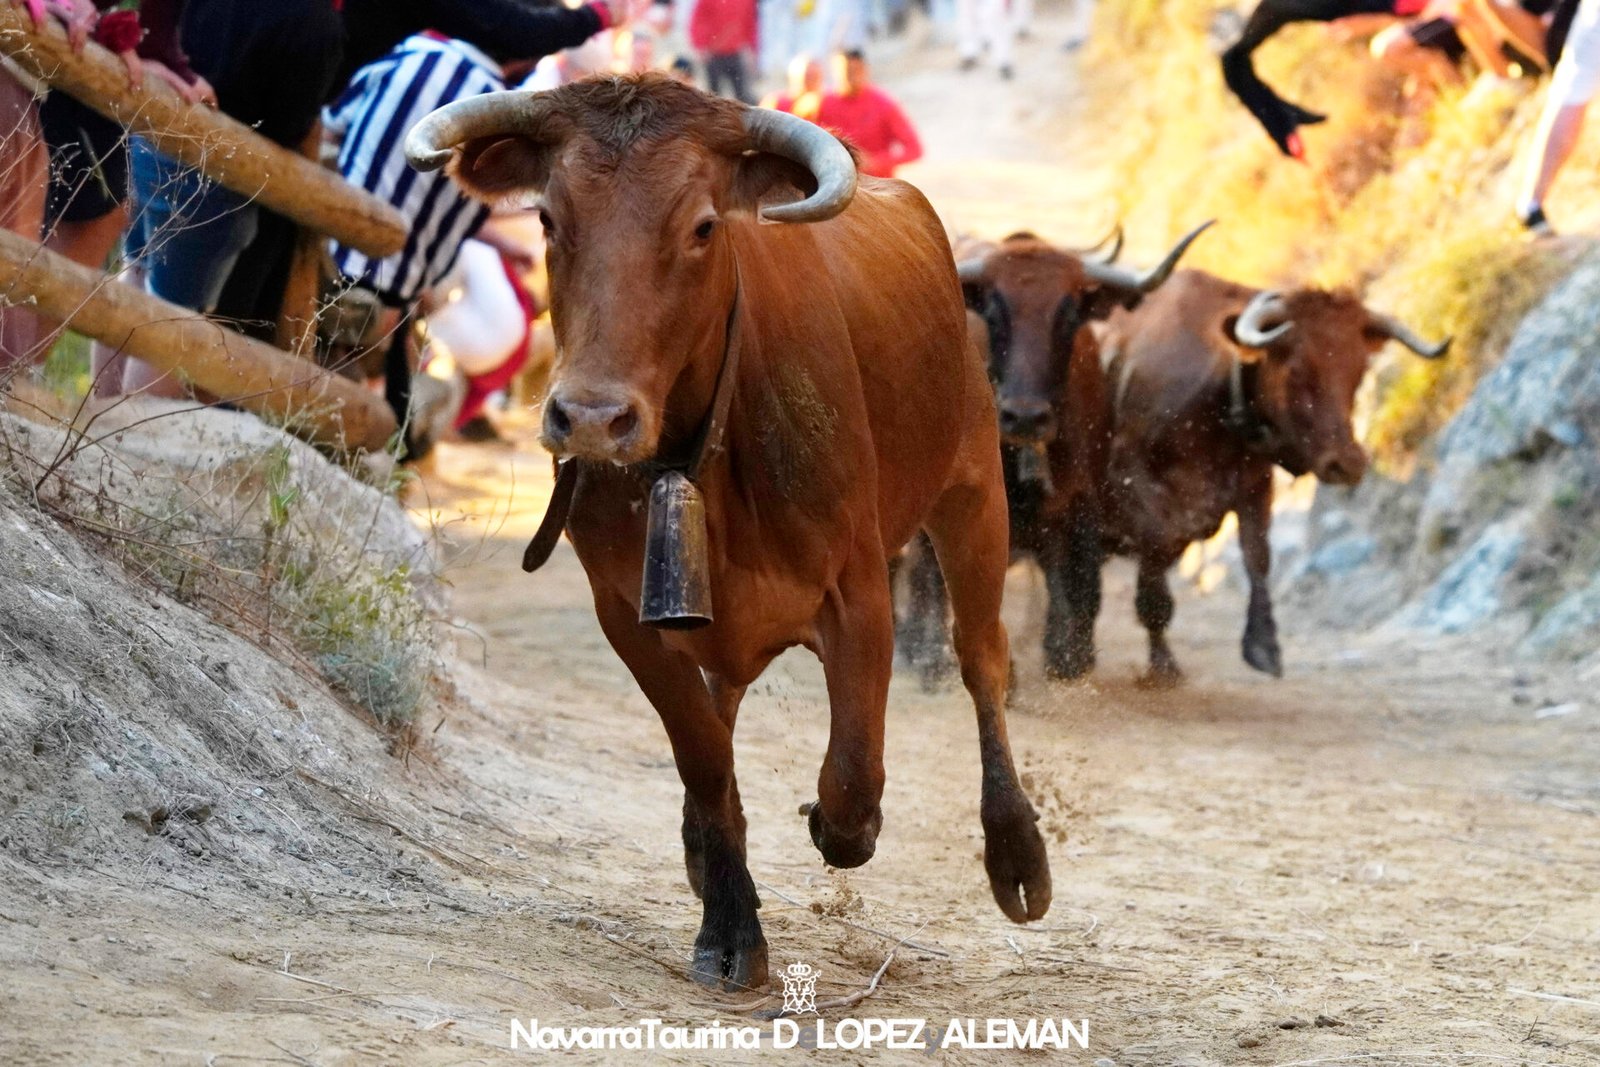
(1068, 665)
(1018, 866)
(840, 849)
(733, 969)
(1265, 656)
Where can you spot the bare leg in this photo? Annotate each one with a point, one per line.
(1254, 509)
(1553, 142)
(730, 949)
(971, 535)
(89, 244)
(23, 176)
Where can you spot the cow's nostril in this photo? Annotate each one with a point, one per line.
(623, 424)
(556, 416)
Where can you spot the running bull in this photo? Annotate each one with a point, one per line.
(719, 273)
(1033, 304)
(1213, 385)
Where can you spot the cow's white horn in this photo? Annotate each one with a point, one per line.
(812, 147)
(1393, 327)
(1251, 329)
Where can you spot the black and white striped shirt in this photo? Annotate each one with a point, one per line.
(384, 100)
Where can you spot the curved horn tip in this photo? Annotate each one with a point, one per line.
(814, 148)
(426, 156)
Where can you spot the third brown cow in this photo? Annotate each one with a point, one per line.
(1212, 385)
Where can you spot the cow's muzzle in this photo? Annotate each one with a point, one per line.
(593, 426)
(1027, 422)
(1346, 467)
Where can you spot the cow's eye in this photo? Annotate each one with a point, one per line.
(544, 220)
(704, 231)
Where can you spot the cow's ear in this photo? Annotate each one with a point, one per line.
(1245, 353)
(499, 167)
(763, 179)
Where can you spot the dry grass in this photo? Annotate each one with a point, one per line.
(1406, 200)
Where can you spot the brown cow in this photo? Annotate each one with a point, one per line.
(1212, 385)
(859, 414)
(1033, 303)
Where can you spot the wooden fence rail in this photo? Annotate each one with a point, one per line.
(294, 393)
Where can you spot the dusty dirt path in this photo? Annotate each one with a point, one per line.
(1386, 841)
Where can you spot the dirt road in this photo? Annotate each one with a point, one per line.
(1389, 857)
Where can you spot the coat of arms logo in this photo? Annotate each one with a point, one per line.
(800, 989)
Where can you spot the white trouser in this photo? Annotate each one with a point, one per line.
(481, 321)
(1577, 73)
(985, 23)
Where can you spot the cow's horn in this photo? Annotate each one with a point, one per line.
(1398, 330)
(971, 271)
(1251, 329)
(1118, 278)
(812, 147)
(1099, 253)
(432, 142)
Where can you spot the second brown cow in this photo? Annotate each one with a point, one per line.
(1030, 305)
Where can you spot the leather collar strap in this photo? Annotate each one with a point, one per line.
(1242, 419)
(713, 434)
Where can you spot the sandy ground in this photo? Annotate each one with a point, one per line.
(1388, 857)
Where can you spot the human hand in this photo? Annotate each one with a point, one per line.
(198, 91)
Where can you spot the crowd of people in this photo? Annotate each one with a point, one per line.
(364, 72)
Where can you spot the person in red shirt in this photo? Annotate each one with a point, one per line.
(868, 118)
(724, 32)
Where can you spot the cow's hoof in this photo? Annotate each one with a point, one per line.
(1264, 655)
(1068, 665)
(731, 969)
(1019, 868)
(840, 849)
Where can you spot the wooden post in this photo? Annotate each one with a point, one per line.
(294, 393)
(226, 150)
(296, 329)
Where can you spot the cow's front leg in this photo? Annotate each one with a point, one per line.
(725, 700)
(1071, 561)
(1153, 601)
(729, 950)
(856, 643)
(1254, 509)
